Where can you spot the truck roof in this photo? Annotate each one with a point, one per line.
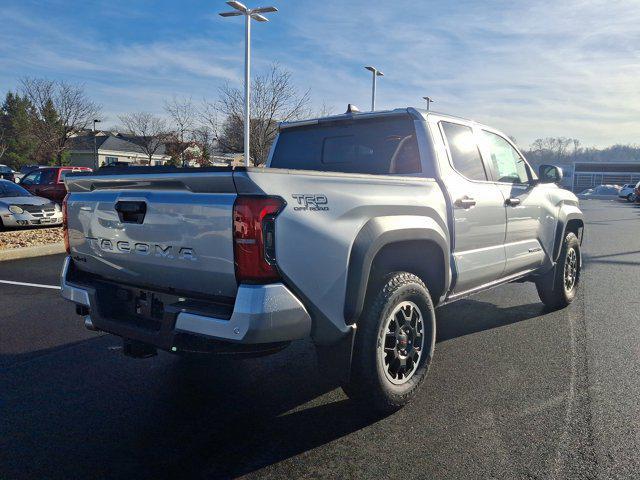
(362, 115)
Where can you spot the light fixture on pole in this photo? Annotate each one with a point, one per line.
(376, 73)
(95, 146)
(429, 102)
(256, 14)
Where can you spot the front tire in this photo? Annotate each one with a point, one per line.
(394, 344)
(558, 288)
(630, 198)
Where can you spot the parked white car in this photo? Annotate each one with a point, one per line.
(628, 192)
(601, 192)
(19, 208)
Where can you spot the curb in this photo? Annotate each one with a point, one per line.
(29, 252)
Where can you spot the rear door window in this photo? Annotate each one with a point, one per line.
(464, 151)
(382, 146)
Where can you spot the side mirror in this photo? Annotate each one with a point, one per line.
(549, 174)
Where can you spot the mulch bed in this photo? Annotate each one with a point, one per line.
(30, 237)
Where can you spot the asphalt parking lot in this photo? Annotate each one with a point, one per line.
(514, 391)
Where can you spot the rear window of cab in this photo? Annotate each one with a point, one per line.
(380, 146)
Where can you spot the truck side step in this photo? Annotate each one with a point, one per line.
(134, 349)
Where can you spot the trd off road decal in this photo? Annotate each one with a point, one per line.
(310, 202)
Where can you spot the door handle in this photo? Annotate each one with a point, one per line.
(512, 202)
(465, 202)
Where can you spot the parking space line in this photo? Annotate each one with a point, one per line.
(24, 284)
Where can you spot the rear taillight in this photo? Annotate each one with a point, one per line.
(254, 230)
(65, 226)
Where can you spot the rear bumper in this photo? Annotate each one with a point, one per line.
(262, 314)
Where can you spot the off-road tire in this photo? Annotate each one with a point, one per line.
(368, 382)
(551, 287)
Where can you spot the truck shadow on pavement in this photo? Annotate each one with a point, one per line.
(87, 411)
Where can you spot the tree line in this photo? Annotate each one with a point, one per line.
(566, 151)
(37, 121)
(39, 118)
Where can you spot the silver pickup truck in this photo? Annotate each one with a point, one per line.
(358, 228)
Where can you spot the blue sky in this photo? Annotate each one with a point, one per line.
(532, 69)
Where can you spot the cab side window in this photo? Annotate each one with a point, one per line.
(47, 177)
(32, 179)
(464, 150)
(508, 166)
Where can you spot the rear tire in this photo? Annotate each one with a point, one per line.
(558, 288)
(630, 198)
(394, 344)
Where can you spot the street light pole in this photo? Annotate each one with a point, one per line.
(376, 73)
(429, 102)
(95, 145)
(255, 14)
(247, 87)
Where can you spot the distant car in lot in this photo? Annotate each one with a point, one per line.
(115, 164)
(628, 192)
(601, 192)
(19, 208)
(24, 170)
(48, 182)
(6, 173)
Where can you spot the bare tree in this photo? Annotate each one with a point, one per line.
(61, 109)
(273, 99)
(325, 110)
(205, 139)
(183, 114)
(147, 130)
(555, 150)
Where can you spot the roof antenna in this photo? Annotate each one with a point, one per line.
(352, 109)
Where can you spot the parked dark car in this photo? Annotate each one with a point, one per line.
(6, 173)
(24, 170)
(29, 168)
(48, 182)
(115, 164)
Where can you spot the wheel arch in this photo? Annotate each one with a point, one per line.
(417, 245)
(569, 221)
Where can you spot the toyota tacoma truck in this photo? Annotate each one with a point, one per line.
(360, 225)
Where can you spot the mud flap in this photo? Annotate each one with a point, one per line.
(334, 361)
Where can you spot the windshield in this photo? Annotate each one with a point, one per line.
(5, 169)
(383, 146)
(10, 189)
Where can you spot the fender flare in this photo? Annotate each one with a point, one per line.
(377, 233)
(566, 214)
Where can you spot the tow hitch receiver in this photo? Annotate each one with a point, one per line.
(135, 349)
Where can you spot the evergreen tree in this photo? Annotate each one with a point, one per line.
(18, 143)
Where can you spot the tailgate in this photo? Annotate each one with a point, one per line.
(171, 231)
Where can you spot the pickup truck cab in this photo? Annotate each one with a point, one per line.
(48, 182)
(358, 228)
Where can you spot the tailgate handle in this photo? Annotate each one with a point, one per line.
(131, 212)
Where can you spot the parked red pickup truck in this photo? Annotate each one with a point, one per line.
(48, 182)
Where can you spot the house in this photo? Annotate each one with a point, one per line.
(109, 148)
